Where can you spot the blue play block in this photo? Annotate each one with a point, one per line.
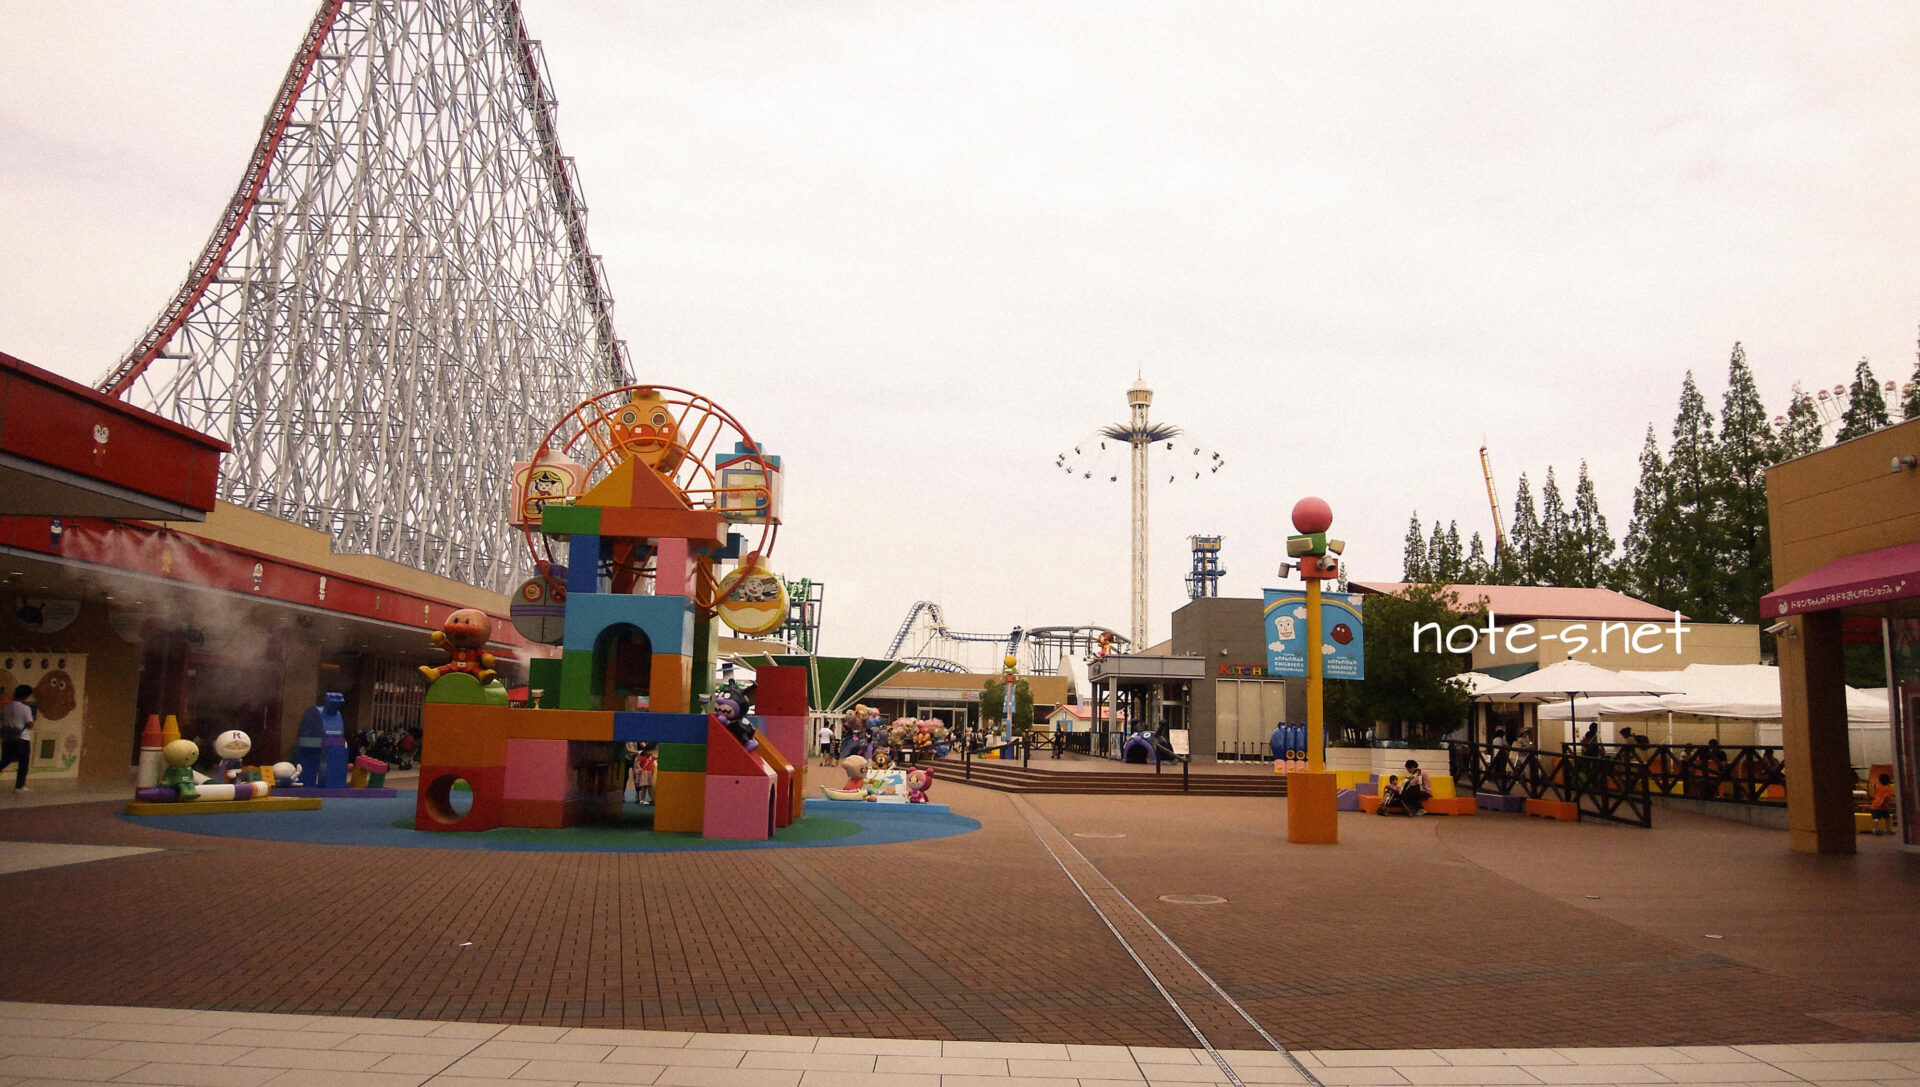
(667, 621)
(660, 728)
(583, 565)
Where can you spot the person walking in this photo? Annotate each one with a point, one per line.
(16, 736)
(826, 743)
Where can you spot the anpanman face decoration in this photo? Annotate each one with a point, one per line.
(645, 429)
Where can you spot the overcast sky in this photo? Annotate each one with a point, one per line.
(920, 248)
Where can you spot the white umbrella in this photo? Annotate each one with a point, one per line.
(1570, 679)
(1473, 682)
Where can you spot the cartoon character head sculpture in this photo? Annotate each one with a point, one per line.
(645, 429)
(180, 755)
(730, 707)
(856, 770)
(918, 782)
(286, 773)
(468, 628)
(232, 744)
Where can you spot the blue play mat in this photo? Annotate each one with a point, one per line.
(388, 821)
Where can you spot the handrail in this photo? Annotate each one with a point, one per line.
(1615, 789)
(1746, 774)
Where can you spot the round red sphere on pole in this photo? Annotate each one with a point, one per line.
(1312, 515)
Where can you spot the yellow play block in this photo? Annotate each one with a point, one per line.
(210, 807)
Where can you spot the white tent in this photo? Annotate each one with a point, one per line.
(1746, 691)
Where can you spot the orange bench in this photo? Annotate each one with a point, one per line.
(1565, 810)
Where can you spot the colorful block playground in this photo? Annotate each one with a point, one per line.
(644, 527)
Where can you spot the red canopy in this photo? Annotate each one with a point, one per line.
(1871, 577)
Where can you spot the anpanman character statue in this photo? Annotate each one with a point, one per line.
(464, 636)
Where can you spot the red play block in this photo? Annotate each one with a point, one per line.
(726, 755)
(780, 691)
(536, 770)
(433, 807)
(541, 814)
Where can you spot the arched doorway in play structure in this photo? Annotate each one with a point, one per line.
(623, 663)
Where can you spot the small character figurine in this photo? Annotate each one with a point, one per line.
(464, 636)
(232, 747)
(180, 755)
(856, 770)
(730, 707)
(286, 773)
(918, 782)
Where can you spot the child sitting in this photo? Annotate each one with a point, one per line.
(1881, 806)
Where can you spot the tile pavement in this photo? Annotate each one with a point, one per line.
(1430, 934)
(73, 1044)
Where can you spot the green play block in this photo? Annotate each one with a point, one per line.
(683, 758)
(706, 652)
(461, 689)
(543, 675)
(576, 681)
(570, 520)
(1313, 543)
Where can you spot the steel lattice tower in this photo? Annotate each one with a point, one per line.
(1139, 435)
(399, 299)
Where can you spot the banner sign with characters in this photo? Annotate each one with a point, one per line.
(1342, 646)
(59, 682)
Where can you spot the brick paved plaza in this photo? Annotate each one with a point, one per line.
(1437, 933)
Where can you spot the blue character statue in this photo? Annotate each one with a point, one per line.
(323, 743)
(730, 707)
(1278, 742)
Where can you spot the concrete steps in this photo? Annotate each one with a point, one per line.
(1011, 777)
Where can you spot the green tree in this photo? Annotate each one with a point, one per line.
(1437, 556)
(1406, 693)
(1590, 546)
(1650, 569)
(1692, 501)
(1413, 559)
(1748, 447)
(1800, 428)
(992, 698)
(1476, 569)
(1910, 396)
(1552, 563)
(1866, 407)
(1523, 539)
(1455, 558)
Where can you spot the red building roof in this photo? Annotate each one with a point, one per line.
(70, 451)
(1541, 601)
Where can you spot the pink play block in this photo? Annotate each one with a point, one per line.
(738, 807)
(537, 770)
(789, 734)
(672, 568)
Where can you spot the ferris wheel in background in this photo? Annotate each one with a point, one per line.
(1831, 404)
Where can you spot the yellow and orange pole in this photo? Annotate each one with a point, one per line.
(1313, 815)
(1316, 723)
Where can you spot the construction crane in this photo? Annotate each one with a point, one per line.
(1493, 503)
